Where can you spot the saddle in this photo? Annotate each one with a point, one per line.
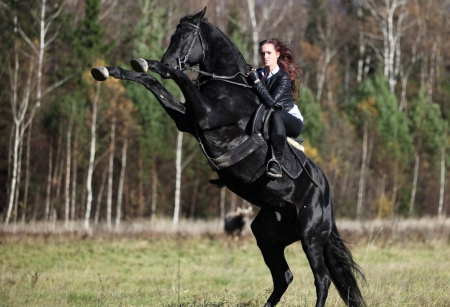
(294, 157)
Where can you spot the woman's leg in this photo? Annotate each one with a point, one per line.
(282, 124)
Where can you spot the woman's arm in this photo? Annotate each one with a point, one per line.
(271, 99)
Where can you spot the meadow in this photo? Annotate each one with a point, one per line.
(405, 263)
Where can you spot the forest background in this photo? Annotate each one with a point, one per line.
(375, 96)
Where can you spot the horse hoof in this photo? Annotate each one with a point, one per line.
(139, 65)
(100, 73)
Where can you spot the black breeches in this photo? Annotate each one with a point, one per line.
(283, 124)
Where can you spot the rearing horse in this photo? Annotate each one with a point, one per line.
(218, 114)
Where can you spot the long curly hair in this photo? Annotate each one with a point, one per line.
(287, 63)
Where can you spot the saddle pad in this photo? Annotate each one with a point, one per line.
(295, 144)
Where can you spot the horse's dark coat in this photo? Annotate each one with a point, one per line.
(219, 115)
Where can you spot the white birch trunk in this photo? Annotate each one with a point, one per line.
(27, 174)
(178, 168)
(68, 169)
(19, 172)
(91, 157)
(414, 186)
(49, 182)
(73, 197)
(121, 183)
(255, 31)
(58, 166)
(19, 111)
(442, 184)
(110, 172)
(362, 173)
(362, 46)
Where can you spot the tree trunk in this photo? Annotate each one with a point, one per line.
(91, 157)
(99, 199)
(19, 176)
(68, 165)
(74, 178)
(362, 173)
(19, 111)
(110, 172)
(121, 181)
(442, 184)
(222, 203)
(194, 199)
(176, 210)
(27, 174)
(49, 181)
(58, 167)
(394, 187)
(141, 183)
(414, 186)
(154, 187)
(233, 202)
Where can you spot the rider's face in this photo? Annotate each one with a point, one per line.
(269, 56)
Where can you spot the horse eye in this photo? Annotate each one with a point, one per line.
(185, 35)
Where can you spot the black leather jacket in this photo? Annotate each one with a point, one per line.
(275, 91)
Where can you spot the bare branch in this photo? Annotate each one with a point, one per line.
(29, 42)
(108, 11)
(55, 85)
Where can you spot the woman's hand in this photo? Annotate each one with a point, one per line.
(253, 76)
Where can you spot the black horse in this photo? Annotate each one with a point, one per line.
(218, 112)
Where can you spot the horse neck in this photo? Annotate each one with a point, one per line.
(223, 57)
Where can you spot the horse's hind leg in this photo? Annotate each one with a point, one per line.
(313, 240)
(272, 237)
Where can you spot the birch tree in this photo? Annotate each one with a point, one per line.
(91, 156)
(121, 183)
(390, 16)
(22, 116)
(179, 166)
(267, 18)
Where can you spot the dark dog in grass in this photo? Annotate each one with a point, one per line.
(235, 221)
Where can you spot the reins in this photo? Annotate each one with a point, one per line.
(183, 66)
(216, 77)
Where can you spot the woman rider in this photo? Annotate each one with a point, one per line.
(277, 84)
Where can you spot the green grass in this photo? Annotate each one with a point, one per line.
(170, 271)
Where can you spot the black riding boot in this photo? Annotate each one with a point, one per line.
(274, 165)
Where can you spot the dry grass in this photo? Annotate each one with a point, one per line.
(391, 231)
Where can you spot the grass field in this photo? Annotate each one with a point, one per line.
(203, 270)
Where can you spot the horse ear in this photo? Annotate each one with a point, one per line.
(199, 16)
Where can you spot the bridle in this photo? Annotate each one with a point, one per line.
(182, 59)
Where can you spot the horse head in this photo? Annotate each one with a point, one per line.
(186, 46)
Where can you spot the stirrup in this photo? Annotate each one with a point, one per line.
(273, 175)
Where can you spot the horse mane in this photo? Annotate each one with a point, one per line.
(226, 38)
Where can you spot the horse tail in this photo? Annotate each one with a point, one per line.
(342, 269)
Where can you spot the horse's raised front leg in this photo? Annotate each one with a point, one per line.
(272, 237)
(173, 107)
(191, 93)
